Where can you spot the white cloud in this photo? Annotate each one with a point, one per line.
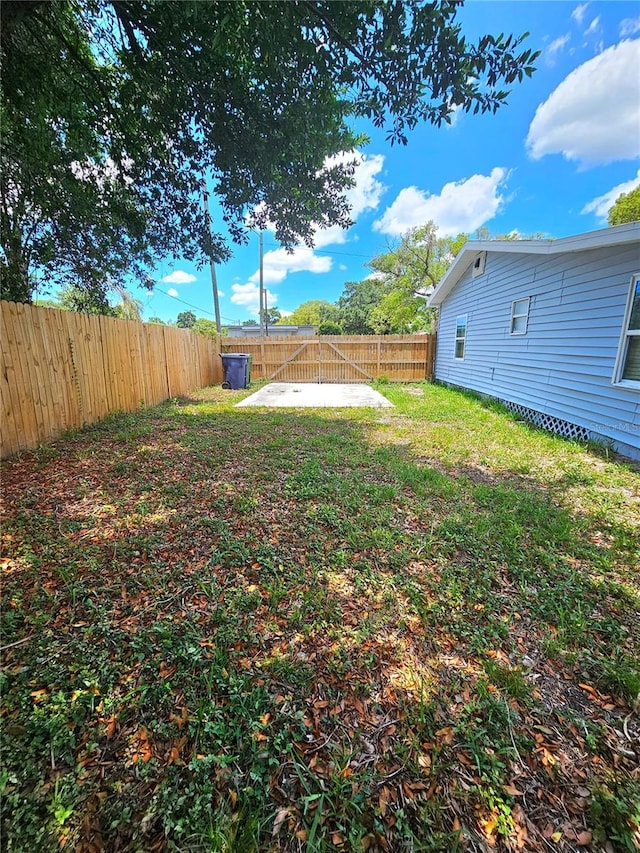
(602, 204)
(461, 206)
(593, 26)
(248, 296)
(556, 46)
(364, 195)
(579, 13)
(333, 236)
(278, 263)
(107, 171)
(629, 26)
(284, 313)
(343, 267)
(178, 277)
(594, 114)
(172, 291)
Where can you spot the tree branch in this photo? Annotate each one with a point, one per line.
(79, 60)
(124, 19)
(13, 11)
(334, 32)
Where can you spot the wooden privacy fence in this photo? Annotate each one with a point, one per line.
(338, 358)
(60, 370)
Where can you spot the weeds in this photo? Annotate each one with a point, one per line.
(410, 633)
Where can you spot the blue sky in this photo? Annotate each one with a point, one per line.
(552, 161)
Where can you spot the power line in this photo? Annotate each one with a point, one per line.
(188, 304)
(328, 252)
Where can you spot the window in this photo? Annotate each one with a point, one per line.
(461, 335)
(520, 316)
(628, 362)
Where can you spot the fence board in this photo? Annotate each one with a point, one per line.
(12, 386)
(338, 358)
(60, 370)
(25, 373)
(154, 358)
(60, 376)
(43, 353)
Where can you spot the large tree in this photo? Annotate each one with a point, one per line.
(113, 111)
(205, 327)
(313, 312)
(357, 303)
(272, 316)
(185, 320)
(626, 208)
(410, 270)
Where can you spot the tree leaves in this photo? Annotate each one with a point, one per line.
(114, 112)
(393, 299)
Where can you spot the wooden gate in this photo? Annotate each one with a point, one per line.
(338, 358)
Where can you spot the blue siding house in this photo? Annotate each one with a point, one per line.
(551, 328)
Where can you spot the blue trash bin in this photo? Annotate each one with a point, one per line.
(236, 370)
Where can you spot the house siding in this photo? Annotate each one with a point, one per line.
(563, 366)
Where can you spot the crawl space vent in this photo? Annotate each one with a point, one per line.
(548, 422)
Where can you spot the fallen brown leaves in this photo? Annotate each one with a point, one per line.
(375, 721)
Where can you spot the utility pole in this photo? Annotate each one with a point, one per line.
(266, 316)
(262, 294)
(212, 266)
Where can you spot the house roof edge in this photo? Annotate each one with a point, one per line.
(616, 235)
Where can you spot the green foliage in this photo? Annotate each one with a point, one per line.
(329, 328)
(313, 312)
(186, 320)
(48, 303)
(96, 301)
(626, 208)
(113, 111)
(272, 316)
(411, 270)
(420, 260)
(484, 233)
(392, 300)
(372, 668)
(399, 312)
(615, 812)
(205, 327)
(129, 308)
(357, 303)
(85, 300)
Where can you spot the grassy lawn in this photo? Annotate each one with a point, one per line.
(373, 630)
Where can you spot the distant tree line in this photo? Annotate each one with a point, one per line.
(392, 299)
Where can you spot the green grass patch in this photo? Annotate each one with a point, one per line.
(271, 631)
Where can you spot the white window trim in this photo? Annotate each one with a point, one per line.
(525, 315)
(624, 335)
(464, 317)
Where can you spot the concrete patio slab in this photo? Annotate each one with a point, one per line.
(296, 395)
